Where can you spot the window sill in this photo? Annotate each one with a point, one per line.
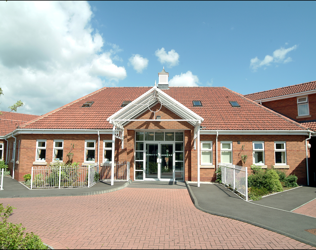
(40, 163)
(87, 164)
(303, 116)
(281, 166)
(207, 166)
(262, 166)
(107, 163)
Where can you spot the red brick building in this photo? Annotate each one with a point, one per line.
(166, 133)
(297, 102)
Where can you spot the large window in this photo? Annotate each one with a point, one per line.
(280, 153)
(58, 150)
(206, 151)
(302, 106)
(107, 151)
(90, 151)
(1, 151)
(226, 152)
(258, 153)
(41, 150)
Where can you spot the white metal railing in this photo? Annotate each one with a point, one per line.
(1, 180)
(62, 177)
(235, 177)
(121, 171)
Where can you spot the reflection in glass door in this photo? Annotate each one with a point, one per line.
(166, 167)
(151, 161)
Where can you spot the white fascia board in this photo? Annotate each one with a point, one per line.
(286, 96)
(255, 132)
(129, 106)
(60, 131)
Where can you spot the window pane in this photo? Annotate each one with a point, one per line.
(139, 136)
(258, 145)
(280, 157)
(179, 146)
(179, 166)
(206, 145)
(226, 157)
(41, 144)
(107, 155)
(58, 155)
(90, 144)
(1, 145)
(179, 136)
(179, 176)
(139, 155)
(149, 136)
(258, 157)
(139, 175)
(108, 144)
(139, 146)
(179, 156)
(58, 144)
(90, 155)
(226, 146)
(279, 146)
(139, 165)
(1, 154)
(303, 109)
(169, 136)
(207, 157)
(41, 154)
(159, 136)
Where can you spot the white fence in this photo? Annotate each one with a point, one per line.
(1, 178)
(62, 177)
(235, 177)
(121, 171)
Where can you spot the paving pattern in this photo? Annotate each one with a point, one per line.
(138, 218)
(308, 209)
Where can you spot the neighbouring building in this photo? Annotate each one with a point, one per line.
(166, 133)
(297, 102)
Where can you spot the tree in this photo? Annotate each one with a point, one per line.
(15, 106)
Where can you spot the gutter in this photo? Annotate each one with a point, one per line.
(256, 132)
(307, 170)
(216, 152)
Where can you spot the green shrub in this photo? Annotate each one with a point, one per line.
(218, 173)
(272, 182)
(257, 178)
(282, 175)
(12, 236)
(3, 165)
(38, 180)
(96, 177)
(27, 177)
(259, 191)
(291, 181)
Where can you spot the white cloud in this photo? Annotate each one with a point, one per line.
(138, 62)
(278, 56)
(50, 55)
(171, 58)
(184, 80)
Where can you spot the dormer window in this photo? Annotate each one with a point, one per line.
(234, 104)
(302, 106)
(87, 104)
(197, 103)
(125, 103)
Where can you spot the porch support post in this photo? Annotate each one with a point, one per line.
(113, 156)
(199, 155)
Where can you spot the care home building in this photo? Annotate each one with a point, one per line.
(165, 133)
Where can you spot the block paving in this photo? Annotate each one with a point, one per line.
(138, 218)
(307, 209)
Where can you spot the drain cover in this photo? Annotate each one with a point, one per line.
(312, 231)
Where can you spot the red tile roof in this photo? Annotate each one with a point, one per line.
(217, 112)
(10, 120)
(310, 124)
(298, 88)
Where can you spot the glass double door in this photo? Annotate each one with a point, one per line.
(159, 161)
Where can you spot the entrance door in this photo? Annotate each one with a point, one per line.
(159, 161)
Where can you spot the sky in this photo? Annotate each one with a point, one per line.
(52, 53)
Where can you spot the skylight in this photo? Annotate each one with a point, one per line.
(197, 103)
(88, 104)
(125, 103)
(234, 104)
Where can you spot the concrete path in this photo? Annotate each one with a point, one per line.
(13, 188)
(218, 200)
(139, 218)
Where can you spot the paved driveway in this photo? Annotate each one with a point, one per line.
(137, 218)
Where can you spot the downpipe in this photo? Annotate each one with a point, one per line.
(14, 152)
(306, 148)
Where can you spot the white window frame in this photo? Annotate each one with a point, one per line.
(2, 149)
(207, 150)
(89, 148)
(227, 150)
(302, 103)
(37, 147)
(54, 147)
(258, 150)
(280, 150)
(107, 148)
